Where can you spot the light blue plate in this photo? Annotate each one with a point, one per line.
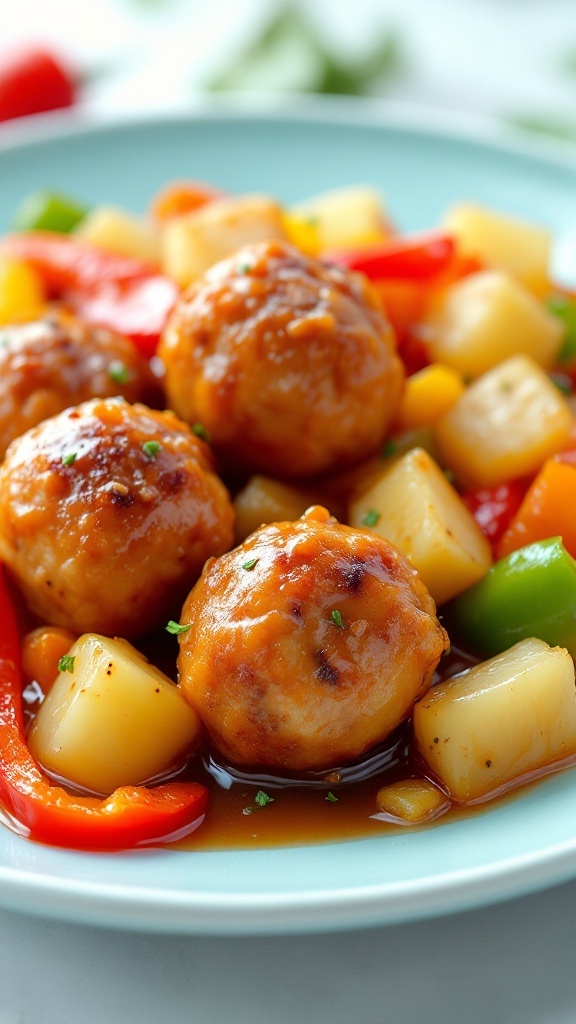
(511, 849)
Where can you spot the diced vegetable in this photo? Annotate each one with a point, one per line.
(118, 231)
(530, 593)
(518, 247)
(42, 650)
(48, 211)
(421, 258)
(505, 425)
(491, 725)
(264, 500)
(546, 511)
(192, 243)
(22, 296)
(428, 394)
(564, 308)
(485, 318)
(341, 218)
(111, 719)
(33, 80)
(411, 800)
(418, 511)
(494, 507)
(180, 197)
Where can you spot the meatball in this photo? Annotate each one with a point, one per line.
(107, 514)
(50, 364)
(288, 362)
(307, 645)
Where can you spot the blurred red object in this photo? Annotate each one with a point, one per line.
(32, 81)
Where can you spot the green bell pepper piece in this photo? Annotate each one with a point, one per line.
(48, 211)
(565, 309)
(530, 593)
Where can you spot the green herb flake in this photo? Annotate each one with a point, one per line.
(200, 431)
(70, 459)
(450, 476)
(262, 798)
(151, 449)
(118, 372)
(176, 629)
(248, 566)
(66, 663)
(337, 619)
(562, 382)
(371, 517)
(244, 268)
(331, 798)
(388, 449)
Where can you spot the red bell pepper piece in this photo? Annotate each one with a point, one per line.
(132, 816)
(32, 81)
(494, 507)
(403, 259)
(119, 292)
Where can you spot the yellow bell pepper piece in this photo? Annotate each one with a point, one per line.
(22, 295)
(428, 394)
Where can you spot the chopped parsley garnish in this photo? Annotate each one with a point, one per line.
(449, 474)
(176, 629)
(371, 517)
(262, 798)
(388, 448)
(250, 564)
(244, 268)
(331, 798)
(117, 372)
(66, 663)
(151, 449)
(562, 382)
(200, 430)
(70, 459)
(337, 619)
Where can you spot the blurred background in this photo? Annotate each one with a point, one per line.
(514, 60)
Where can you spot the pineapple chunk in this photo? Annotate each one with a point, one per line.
(427, 395)
(195, 241)
(414, 507)
(111, 719)
(491, 725)
(119, 231)
(411, 800)
(506, 424)
(338, 219)
(264, 500)
(520, 248)
(483, 319)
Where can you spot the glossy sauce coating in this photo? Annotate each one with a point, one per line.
(56, 362)
(307, 645)
(290, 363)
(107, 514)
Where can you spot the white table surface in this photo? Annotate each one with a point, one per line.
(510, 964)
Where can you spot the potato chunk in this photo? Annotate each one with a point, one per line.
(264, 500)
(111, 718)
(485, 318)
(119, 231)
(337, 219)
(506, 424)
(413, 506)
(502, 719)
(521, 248)
(195, 241)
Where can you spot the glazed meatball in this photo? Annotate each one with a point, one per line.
(288, 362)
(307, 645)
(50, 364)
(107, 514)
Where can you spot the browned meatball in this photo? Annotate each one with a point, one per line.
(308, 645)
(50, 364)
(107, 514)
(288, 362)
